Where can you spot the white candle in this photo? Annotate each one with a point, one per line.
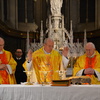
(27, 42)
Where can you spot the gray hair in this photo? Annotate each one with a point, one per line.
(47, 39)
(90, 43)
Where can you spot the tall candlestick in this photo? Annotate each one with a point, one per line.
(85, 40)
(41, 33)
(71, 33)
(27, 42)
(71, 25)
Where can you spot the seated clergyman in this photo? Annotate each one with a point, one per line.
(88, 64)
(7, 65)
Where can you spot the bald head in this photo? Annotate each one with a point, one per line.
(90, 44)
(1, 39)
(48, 40)
(1, 44)
(48, 45)
(90, 49)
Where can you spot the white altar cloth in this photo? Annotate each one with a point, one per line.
(38, 92)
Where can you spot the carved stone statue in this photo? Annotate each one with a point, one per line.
(56, 6)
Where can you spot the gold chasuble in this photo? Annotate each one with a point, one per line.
(46, 66)
(84, 62)
(3, 73)
(6, 58)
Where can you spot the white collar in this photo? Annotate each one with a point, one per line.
(46, 52)
(1, 52)
(92, 55)
(18, 58)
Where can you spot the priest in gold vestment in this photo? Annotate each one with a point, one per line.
(7, 65)
(88, 64)
(46, 61)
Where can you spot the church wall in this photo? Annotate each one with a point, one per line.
(12, 43)
(40, 13)
(66, 14)
(74, 13)
(12, 13)
(97, 23)
(1, 9)
(75, 17)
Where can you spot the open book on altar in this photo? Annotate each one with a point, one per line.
(76, 80)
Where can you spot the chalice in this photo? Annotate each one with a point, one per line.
(29, 73)
(61, 72)
(45, 76)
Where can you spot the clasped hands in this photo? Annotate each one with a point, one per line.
(3, 67)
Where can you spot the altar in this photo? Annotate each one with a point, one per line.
(39, 92)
